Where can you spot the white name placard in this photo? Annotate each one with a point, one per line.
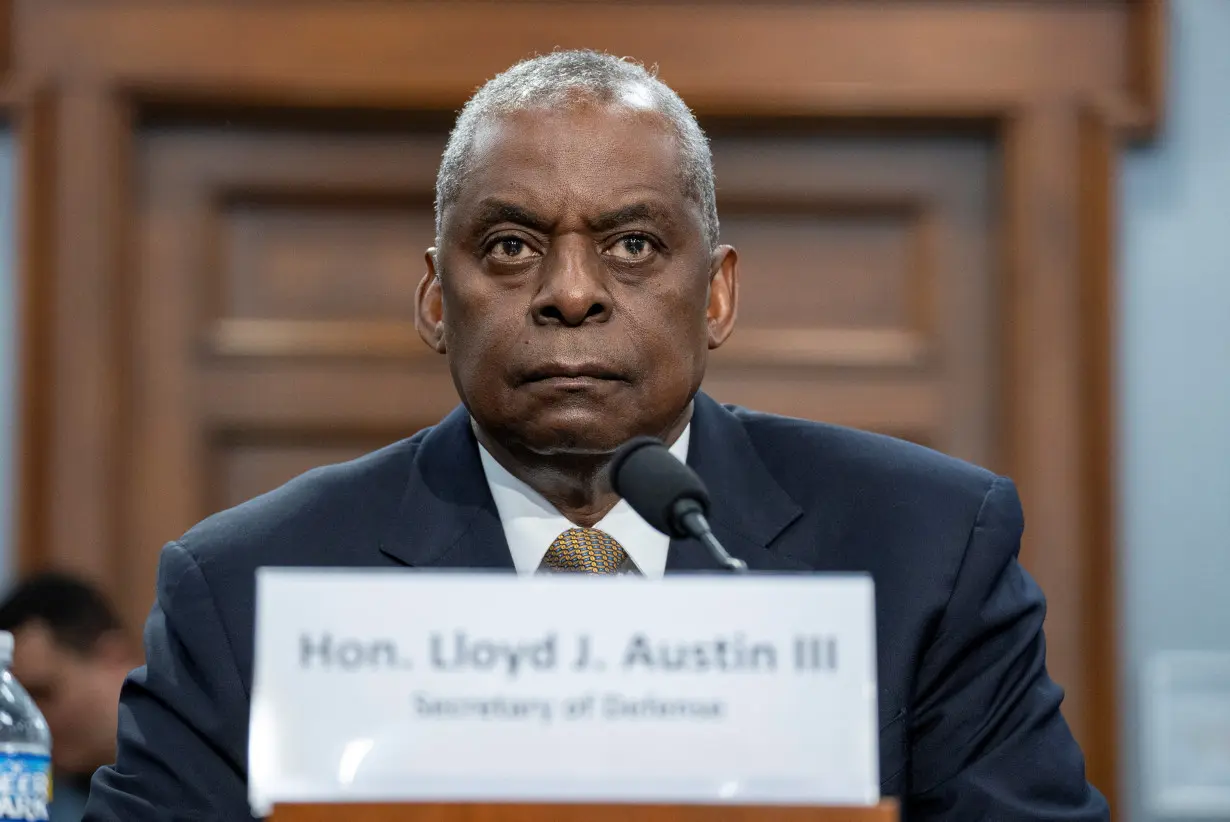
(460, 686)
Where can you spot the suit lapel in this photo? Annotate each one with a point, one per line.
(447, 517)
(748, 507)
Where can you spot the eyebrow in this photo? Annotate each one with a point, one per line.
(646, 212)
(493, 212)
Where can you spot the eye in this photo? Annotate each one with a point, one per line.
(632, 248)
(509, 249)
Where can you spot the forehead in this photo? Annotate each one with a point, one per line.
(35, 649)
(587, 157)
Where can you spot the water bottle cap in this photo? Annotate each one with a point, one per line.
(6, 648)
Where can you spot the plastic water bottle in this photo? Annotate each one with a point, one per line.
(25, 748)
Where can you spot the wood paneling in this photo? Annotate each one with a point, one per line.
(1099, 425)
(1042, 371)
(224, 206)
(88, 306)
(723, 57)
(866, 261)
(35, 128)
(247, 463)
(6, 37)
(1141, 113)
(319, 261)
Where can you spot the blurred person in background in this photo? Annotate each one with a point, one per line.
(71, 654)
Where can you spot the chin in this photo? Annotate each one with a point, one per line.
(579, 431)
(585, 440)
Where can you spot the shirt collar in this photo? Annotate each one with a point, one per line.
(531, 523)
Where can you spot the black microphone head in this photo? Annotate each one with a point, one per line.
(646, 474)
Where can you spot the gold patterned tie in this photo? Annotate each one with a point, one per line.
(585, 551)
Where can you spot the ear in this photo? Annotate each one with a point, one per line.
(723, 294)
(429, 305)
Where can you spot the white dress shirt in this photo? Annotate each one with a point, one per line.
(531, 523)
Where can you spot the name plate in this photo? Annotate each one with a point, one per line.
(459, 686)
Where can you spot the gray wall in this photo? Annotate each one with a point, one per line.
(1174, 359)
(1174, 365)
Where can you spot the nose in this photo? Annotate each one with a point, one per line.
(573, 289)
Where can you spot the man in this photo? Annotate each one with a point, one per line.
(576, 286)
(71, 655)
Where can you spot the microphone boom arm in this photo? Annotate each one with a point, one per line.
(693, 520)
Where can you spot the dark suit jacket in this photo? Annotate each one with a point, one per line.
(970, 727)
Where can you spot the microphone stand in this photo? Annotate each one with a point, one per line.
(694, 523)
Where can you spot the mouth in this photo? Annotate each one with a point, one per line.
(578, 375)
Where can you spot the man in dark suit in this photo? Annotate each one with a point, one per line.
(576, 288)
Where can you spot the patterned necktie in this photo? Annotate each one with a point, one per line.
(585, 551)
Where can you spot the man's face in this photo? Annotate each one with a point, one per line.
(77, 694)
(577, 297)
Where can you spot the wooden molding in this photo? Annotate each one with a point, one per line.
(399, 55)
(315, 338)
(1147, 62)
(825, 348)
(836, 347)
(1098, 169)
(16, 95)
(6, 37)
(35, 127)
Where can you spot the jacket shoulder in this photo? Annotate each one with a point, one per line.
(803, 454)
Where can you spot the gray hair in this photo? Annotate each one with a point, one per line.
(566, 77)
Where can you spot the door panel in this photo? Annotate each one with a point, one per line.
(249, 464)
(869, 282)
(294, 259)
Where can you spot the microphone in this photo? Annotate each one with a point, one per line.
(667, 494)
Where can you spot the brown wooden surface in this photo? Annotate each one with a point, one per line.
(223, 206)
(885, 812)
(6, 36)
(1099, 310)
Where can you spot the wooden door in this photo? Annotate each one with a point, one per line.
(226, 204)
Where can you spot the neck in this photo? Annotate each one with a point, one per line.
(575, 484)
(109, 720)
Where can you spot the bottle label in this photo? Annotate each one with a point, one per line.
(25, 787)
